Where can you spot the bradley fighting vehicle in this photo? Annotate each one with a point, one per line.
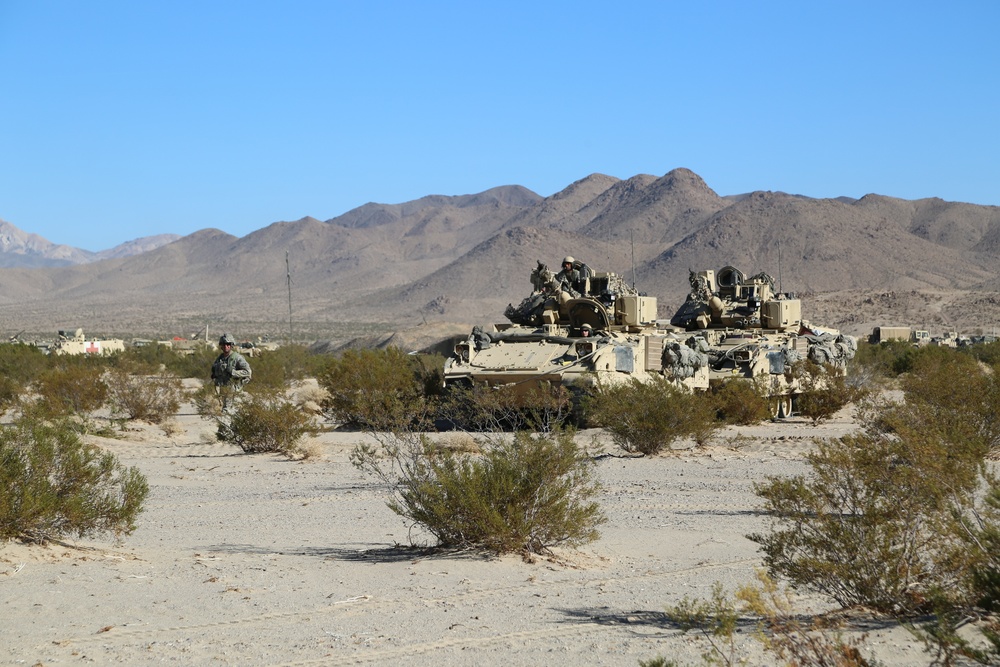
(601, 329)
(748, 330)
(575, 332)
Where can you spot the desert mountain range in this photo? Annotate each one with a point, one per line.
(441, 264)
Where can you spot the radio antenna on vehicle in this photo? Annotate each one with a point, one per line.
(631, 235)
(288, 275)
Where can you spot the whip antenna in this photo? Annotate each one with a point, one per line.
(288, 275)
(631, 235)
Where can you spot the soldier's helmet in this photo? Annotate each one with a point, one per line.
(227, 339)
(568, 259)
(587, 327)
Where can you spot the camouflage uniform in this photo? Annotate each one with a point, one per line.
(230, 368)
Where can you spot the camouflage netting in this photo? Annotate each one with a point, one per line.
(681, 361)
(831, 349)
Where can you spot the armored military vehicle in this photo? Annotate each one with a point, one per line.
(589, 327)
(76, 343)
(749, 330)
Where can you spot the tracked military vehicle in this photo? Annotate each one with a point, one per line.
(749, 330)
(587, 327)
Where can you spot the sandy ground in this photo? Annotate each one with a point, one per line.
(258, 560)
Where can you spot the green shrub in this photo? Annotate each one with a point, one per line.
(523, 493)
(646, 417)
(381, 390)
(258, 423)
(741, 402)
(507, 408)
(277, 369)
(76, 388)
(53, 485)
(139, 392)
(23, 364)
(957, 396)
(824, 391)
(72, 388)
(883, 520)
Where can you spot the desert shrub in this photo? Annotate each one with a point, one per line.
(864, 529)
(884, 518)
(785, 633)
(10, 392)
(153, 355)
(646, 417)
(824, 391)
(193, 363)
(741, 402)
(269, 374)
(53, 485)
(207, 400)
(72, 388)
(883, 360)
(507, 408)
(523, 493)
(381, 390)
(987, 353)
(21, 363)
(258, 423)
(298, 361)
(957, 396)
(139, 392)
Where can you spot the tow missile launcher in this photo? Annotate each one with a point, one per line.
(599, 329)
(748, 330)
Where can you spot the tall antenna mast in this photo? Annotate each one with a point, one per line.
(631, 235)
(288, 275)
(779, 267)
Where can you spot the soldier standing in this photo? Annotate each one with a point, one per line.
(230, 370)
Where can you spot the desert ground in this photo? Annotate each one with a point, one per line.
(259, 560)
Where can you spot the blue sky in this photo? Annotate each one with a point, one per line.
(122, 119)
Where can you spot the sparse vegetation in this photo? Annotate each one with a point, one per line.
(72, 388)
(647, 417)
(53, 485)
(902, 516)
(523, 493)
(381, 390)
(782, 631)
(741, 402)
(824, 391)
(138, 392)
(508, 408)
(259, 423)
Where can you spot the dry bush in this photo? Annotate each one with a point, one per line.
(135, 393)
(72, 389)
(171, 427)
(784, 633)
(741, 402)
(902, 517)
(265, 423)
(482, 408)
(523, 493)
(647, 417)
(309, 450)
(824, 391)
(382, 390)
(53, 485)
(309, 397)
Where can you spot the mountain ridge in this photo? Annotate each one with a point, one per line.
(462, 259)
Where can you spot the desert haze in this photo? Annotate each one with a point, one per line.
(440, 264)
